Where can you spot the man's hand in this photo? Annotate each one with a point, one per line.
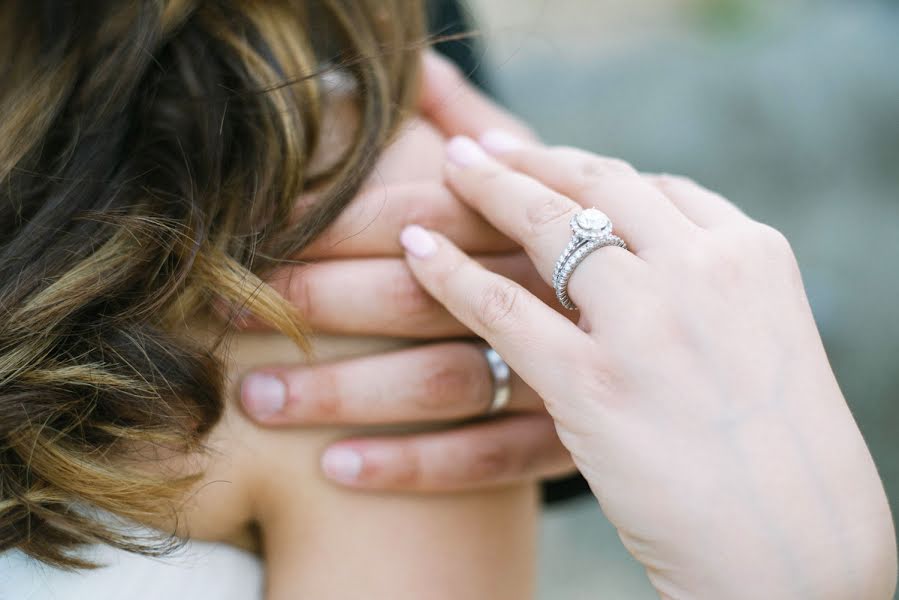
(357, 283)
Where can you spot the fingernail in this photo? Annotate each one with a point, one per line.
(342, 464)
(497, 141)
(465, 152)
(418, 241)
(263, 395)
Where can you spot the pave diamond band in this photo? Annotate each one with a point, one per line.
(566, 269)
(591, 230)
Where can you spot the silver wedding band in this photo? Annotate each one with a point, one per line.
(591, 230)
(501, 375)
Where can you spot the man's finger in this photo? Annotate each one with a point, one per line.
(436, 382)
(489, 453)
(380, 296)
(370, 225)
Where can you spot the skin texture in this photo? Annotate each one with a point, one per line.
(694, 392)
(321, 541)
(473, 535)
(445, 380)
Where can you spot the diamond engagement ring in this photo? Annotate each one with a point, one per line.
(591, 230)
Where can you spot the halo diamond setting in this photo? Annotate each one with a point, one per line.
(591, 224)
(592, 230)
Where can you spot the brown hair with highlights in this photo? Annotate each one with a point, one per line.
(151, 153)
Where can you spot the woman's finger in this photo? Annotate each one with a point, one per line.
(510, 318)
(380, 296)
(535, 216)
(641, 214)
(437, 382)
(456, 107)
(495, 452)
(702, 206)
(530, 213)
(370, 225)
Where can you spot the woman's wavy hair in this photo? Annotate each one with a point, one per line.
(151, 155)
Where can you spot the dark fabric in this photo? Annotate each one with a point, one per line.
(448, 17)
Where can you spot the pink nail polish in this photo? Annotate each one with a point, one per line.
(465, 152)
(342, 464)
(418, 241)
(263, 395)
(497, 141)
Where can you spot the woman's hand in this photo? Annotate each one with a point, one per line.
(357, 283)
(694, 393)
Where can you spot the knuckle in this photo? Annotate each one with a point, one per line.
(404, 471)
(326, 402)
(772, 241)
(587, 169)
(409, 297)
(494, 179)
(740, 249)
(447, 384)
(680, 185)
(437, 213)
(497, 305)
(674, 185)
(489, 462)
(669, 180)
(596, 167)
(301, 292)
(552, 209)
(738, 258)
(777, 252)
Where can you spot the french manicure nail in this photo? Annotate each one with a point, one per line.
(263, 395)
(418, 241)
(342, 464)
(465, 152)
(497, 141)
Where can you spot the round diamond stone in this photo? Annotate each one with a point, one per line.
(593, 220)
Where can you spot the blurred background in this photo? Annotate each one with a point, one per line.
(790, 108)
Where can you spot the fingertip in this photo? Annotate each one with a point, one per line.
(342, 464)
(418, 241)
(422, 243)
(263, 395)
